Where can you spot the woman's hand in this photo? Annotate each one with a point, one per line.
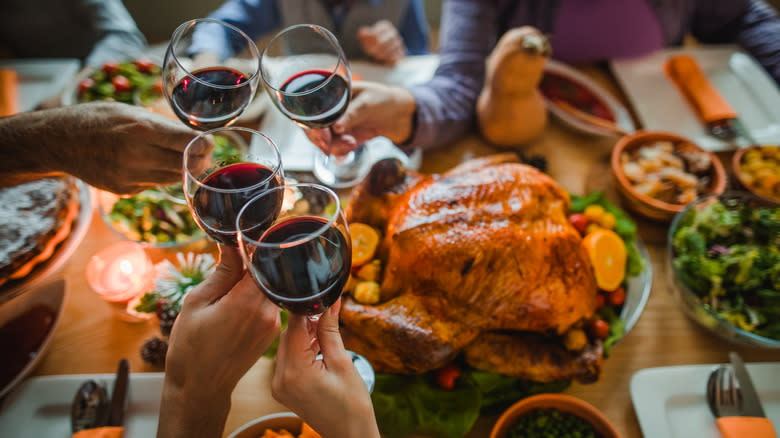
(328, 394)
(382, 42)
(225, 325)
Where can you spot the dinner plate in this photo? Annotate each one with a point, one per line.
(52, 296)
(40, 407)
(62, 252)
(40, 79)
(622, 117)
(670, 401)
(637, 290)
(742, 82)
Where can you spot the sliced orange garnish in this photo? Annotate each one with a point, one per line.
(607, 253)
(365, 239)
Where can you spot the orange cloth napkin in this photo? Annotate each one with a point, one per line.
(705, 99)
(743, 427)
(8, 93)
(101, 432)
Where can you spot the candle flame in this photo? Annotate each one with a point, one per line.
(125, 266)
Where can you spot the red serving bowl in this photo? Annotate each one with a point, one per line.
(645, 205)
(560, 402)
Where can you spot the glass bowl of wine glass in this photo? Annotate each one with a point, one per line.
(217, 185)
(300, 252)
(205, 87)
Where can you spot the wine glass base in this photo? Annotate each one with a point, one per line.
(343, 171)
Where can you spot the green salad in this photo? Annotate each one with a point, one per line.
(152, 217)
(728, 254)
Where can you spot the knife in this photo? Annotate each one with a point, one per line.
(720, 118)
(119, 394)
(752, 422)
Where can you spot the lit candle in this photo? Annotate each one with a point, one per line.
(120, 272)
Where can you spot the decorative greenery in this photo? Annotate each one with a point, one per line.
(173, 283)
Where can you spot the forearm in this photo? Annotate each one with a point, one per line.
(116, 46)
(24, 152)
(183, 415)
(446, 104)
(761, 36)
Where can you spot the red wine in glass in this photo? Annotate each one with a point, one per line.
(215, 100)
(308, 271)
(223, 193)
(315, 98)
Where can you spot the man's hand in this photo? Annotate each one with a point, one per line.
(225, 325)
(112, 146)
(382, 42)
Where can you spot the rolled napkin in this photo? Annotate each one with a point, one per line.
(739, 427)
(101, 432)
(705, 99)
(8, 92)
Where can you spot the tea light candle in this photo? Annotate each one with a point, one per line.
(120, 272)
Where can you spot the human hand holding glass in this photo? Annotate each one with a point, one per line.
(308, 78)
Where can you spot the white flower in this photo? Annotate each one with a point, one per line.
(173, 283)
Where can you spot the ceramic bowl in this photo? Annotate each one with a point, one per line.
(561, 402)
(280, 420)
(736, 163)
(645, 205)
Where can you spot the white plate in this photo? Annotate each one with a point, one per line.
(51, 295)
(298, 152)
(622, 117)
(62, 252)
(40, 79)
(670, 401)
(40, 407)
(737, 77)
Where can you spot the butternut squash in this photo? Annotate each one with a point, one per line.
(510, 108)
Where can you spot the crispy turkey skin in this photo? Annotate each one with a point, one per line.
(482, 249)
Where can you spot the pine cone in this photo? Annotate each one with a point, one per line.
(154, 351)
(166, 313)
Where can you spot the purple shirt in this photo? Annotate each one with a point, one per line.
(446, 104)
(604, 29)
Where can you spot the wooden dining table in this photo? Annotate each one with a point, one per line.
(92, 339)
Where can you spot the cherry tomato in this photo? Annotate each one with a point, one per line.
(110, 68)
(144, 65)
(447, 375)
(617, 297)
(579, 222)
(121, 84)
(85, 85)
(600, 300)
(599, 329)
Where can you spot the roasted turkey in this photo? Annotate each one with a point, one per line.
(480, 260)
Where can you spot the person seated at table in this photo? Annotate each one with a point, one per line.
(384, 31)
(443, 109)
(93, 31)
(224, 327)
(112, 146)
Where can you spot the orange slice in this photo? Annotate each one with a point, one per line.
(607, 253)
(365, 239)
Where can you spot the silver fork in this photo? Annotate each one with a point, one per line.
(723, 394)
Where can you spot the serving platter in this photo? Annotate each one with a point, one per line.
(40, 407)
(62, 252)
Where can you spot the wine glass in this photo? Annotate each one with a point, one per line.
(222, 172)
(305, 72)
(302, 261)
(207, 89)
